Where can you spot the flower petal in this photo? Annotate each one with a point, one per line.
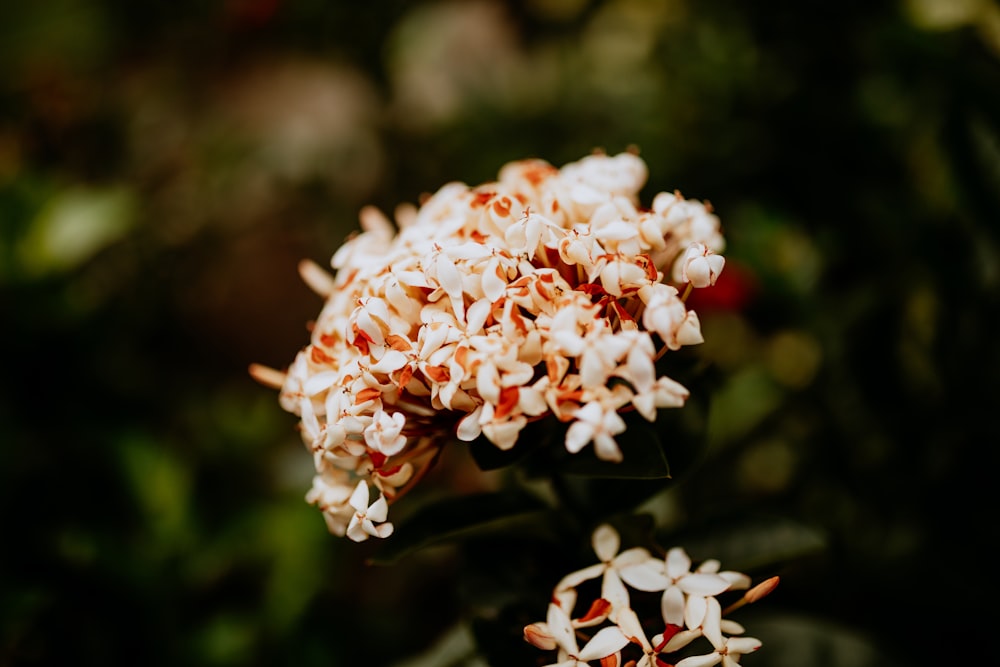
(359, 499)
(538, 635)
(731, 627)
(379, 510)
(737, 580)
(561, 628)
(672, 606)
(578, 435)
(596, 615)
(630, 625)
(606, 542)
(614, 591)
(645, 576)
(694, 611)
(680, 640)
(711, 623)
(703, 584)
(743, 645)
(574, 579)
(604, 643)
(678, 563)
(700, 660)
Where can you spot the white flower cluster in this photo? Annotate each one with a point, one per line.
(689, 610)
(543, 293)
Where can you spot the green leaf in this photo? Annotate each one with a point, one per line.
(759, 543)
(643, 456)
(455, 646)
(490, 457)
(74, 226)
(656, 450)
(663, 449)
(800, 639)
(460, 518)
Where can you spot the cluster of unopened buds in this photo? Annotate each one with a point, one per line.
(549, 293)
(611, 630)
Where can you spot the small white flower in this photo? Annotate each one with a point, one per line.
(667, 315)
(613, 568)
(384, 434)
(598, 352)
(620, 273)
(688, 598)
(331, 492)
(597, 423)
(502, 429)
(699, 266)
(368, 520)
(650, 392)
(579, 247)
(372, 317)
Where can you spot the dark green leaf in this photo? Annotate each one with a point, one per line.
(490, 457)
(664, 449)
(799, 639)
(500, 638)
(642, 456)
(461, 518)
(761, 543)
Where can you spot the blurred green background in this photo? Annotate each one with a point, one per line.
(165, 165)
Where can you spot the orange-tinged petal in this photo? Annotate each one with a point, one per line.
(599, 610)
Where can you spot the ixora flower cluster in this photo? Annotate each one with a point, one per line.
(548, 293)
(689, 609)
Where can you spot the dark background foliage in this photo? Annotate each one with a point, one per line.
(165, 165)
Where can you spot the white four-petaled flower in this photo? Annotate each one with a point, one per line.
(611, 569)
(368, 519)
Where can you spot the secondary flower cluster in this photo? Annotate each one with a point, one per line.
(689, 610)
(549, 292)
